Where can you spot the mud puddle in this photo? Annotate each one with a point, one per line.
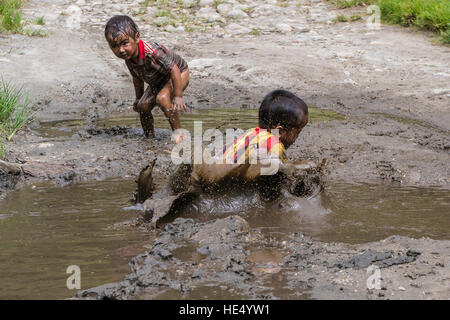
(221, 118)
(350, 213)
(364, 213)
(44, 229)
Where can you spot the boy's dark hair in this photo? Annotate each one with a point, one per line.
(281, 107)
(121, 24)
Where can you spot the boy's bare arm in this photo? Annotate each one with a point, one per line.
(138, 89)
(177, 102)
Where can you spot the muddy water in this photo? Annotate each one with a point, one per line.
(44, 229)
(364, 212)
(221, 118)
(351, 213)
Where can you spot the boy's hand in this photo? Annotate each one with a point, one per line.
(135, 103)
(178, 104)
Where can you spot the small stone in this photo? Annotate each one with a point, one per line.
(263, 10)
(236, 13)
(188, 3)
(224, 8)
(170, 28)
(284, 28)
(209, 14)
(303, 30)
(205, 3)
(401, 288)
(234, 28)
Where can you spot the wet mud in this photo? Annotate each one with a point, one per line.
(380, 121)
(189, 257)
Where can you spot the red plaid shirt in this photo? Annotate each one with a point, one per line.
(158, 63)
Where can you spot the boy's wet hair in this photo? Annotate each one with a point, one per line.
(281, 107)
(121, 24)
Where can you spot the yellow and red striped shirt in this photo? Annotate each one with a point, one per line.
(245, 148)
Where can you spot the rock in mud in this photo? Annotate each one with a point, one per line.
(145, 183)
(52, 171)
(380, 259)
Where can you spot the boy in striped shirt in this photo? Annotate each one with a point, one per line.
(165, 72)
(244, 160)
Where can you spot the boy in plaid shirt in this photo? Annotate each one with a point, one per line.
(165, 72)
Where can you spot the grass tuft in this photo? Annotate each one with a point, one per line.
(341, 18)
(10, 15)
(430, 15)
(15, 109)
(40, 21)
(11, 19)
(351, 3)
(255, 32)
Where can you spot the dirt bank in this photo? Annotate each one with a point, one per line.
(390, 85)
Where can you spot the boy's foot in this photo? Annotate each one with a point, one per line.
(149, 135)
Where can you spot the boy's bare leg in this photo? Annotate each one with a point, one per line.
(164, 100)
(144, 106)
(147, 123)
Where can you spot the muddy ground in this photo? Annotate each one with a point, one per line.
(391, 85)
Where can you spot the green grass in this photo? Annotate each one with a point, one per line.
(162, 13)
(145, 3)
(445, 35)
(318, 114)
(10, 15)
(433, 15)
(216, 3)
(15, 109)
(2, 150)
(40, 21)
(11, 19)
(34, 32)
(341, 18)
(430, 15)
(255, 32)
(350, 3)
